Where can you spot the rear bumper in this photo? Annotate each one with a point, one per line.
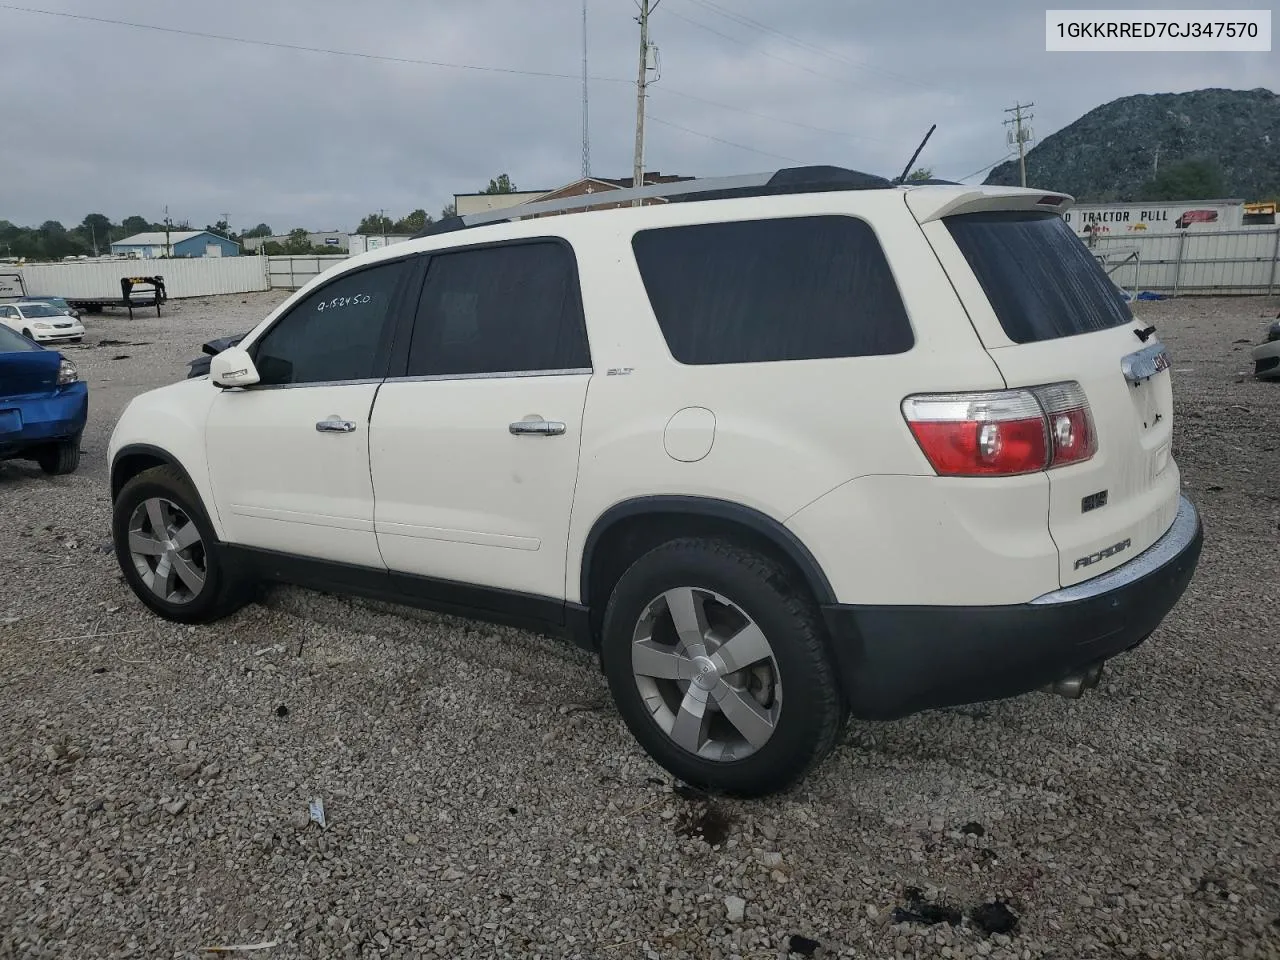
(899, 660)
(46, 420)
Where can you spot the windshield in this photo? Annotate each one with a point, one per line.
(11, 342)
(1043, 283)
(39, 310)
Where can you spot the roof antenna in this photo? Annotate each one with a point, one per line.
(907, 169)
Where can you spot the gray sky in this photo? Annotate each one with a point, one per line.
(121, 120)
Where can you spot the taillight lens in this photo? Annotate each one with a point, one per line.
(1070, 423)
(1004, 432)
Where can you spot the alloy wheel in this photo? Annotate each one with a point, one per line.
(707, 674)
(167, 550)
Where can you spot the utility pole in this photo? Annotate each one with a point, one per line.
(642, 80)
(94, 234)
(168, 249)
(586, 116)
(382, 221)
(1020, 134)
(1155, 164)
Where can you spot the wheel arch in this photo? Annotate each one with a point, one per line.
(134, 458)
(627, 530)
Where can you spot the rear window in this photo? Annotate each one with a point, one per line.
(799, 288)
(1042, 282)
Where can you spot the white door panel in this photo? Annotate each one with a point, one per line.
(283, 484)
(461, 497)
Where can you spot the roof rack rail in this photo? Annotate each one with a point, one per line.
(812, 179)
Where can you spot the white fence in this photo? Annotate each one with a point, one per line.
(290, 273)
(1217, 263)
(195, 277)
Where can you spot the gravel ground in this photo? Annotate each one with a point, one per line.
(483, 799)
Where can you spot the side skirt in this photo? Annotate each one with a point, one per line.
(537, 614)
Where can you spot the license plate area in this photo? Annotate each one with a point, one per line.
(1142, 372)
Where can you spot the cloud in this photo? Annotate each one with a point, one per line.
(125, 120)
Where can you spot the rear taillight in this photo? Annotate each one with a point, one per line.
(1002, 433)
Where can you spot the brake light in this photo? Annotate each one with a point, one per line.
(1004, 432)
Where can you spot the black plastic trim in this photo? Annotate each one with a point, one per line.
(134, 449)
(748, 517)
(545, 615)
(898, 660)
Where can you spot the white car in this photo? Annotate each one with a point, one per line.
(41, 322)
(786, 448)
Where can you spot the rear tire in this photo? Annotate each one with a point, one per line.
(27, 334)
(168, 552)
(707, 703)
(60, 458)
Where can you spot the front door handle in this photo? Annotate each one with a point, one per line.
(535, 426)
(335, 424)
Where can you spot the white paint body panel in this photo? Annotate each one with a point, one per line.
(281, 484)
(459, 497)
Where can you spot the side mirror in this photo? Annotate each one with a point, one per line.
(233, 367)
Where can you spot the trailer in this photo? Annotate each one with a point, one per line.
(135, 293)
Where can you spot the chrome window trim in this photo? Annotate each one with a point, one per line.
(312, 383)
(498, 375)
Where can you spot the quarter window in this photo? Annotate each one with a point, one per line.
(340, 332)
(799, 288)
(504, 309)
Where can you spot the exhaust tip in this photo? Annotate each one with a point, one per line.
(1074, 685)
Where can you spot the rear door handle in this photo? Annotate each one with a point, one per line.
(535, 426)
(335, 424)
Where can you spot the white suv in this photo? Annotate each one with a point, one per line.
(781, 449)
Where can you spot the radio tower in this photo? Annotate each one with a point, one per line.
(586, 125)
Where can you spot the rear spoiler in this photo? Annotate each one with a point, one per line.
(934, 203)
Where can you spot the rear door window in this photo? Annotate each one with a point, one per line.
(799, 288)
(513, 308)
(1041, 281)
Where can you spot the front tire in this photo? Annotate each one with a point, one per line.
(60, 458)
(716, 657)
(168, 552)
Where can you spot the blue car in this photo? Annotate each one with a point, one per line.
(43, 405)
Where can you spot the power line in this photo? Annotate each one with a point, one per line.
(707, 136)
(306, 49)
(746, 21)
(987, 167)
(763, 53)
(765, 116)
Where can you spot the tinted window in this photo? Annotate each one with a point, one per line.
(11, 342)
(1042, 281)
(792, 289)
(340, 332)
(500, 310)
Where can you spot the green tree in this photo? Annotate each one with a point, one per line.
(921, 173)
(1185, 180)
(96, 230)
(413, 222)
(261, 230)
(298, 242)
(502, 184)
(450, 210)
(135, 224)
(375, 223)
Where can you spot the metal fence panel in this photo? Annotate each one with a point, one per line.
(1218, 262)
(194, 277)
(292, 273)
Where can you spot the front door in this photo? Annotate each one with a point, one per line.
(289, 456)
(474, 443)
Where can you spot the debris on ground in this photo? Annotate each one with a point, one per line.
(317, 812)
(735, 909)
(994, 917)
(917, 909)
(802, 945)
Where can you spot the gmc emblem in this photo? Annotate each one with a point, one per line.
(1110, 551)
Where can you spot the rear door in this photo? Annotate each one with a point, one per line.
(1048, 313)
(474, 440)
